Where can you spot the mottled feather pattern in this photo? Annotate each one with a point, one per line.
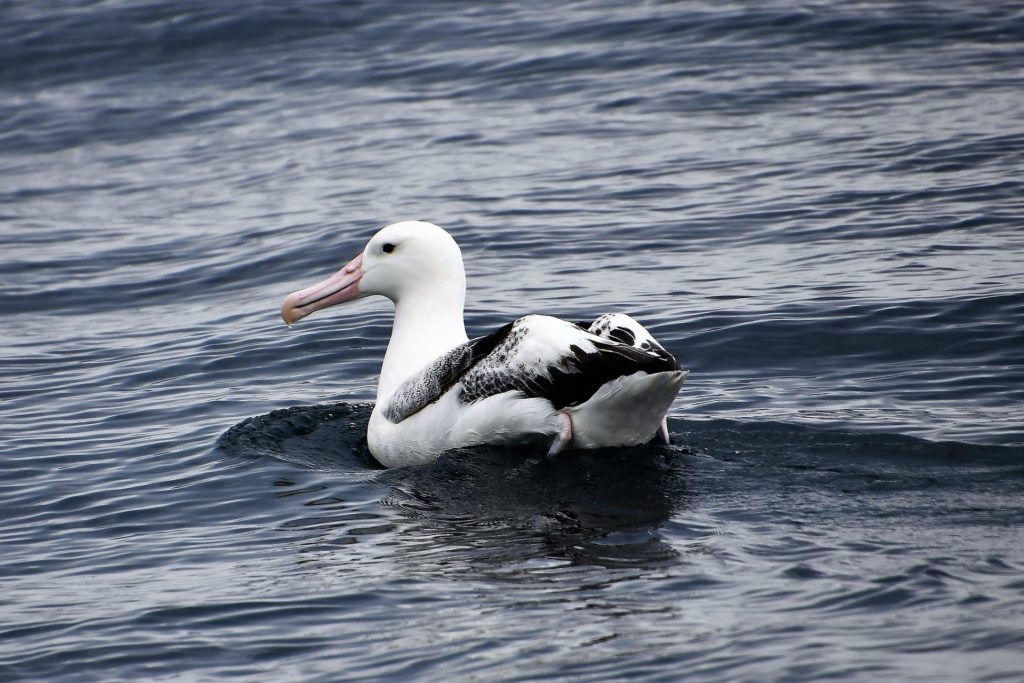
(426, 386)
(430, 383)
(539, 357)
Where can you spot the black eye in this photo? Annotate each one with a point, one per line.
(388, 248)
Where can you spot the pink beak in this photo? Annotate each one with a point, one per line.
(340, 287)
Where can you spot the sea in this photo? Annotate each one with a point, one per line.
(817, 207)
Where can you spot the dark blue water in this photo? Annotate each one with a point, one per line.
(817, 207)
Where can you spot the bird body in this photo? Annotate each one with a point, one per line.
(606, 383)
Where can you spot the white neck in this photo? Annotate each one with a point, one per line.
(428, 323)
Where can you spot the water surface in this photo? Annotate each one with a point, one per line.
(816, 207)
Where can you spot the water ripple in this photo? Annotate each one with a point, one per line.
(815, 208)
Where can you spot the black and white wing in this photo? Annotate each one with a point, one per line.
(537, 356)
(623, 329)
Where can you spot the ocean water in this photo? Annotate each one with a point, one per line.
(818, 207)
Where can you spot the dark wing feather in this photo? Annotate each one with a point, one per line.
(579, 374)
(569, 379)
(430, 383)
(483, 367)
(616, 326)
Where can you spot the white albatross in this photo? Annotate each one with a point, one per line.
(583, 385)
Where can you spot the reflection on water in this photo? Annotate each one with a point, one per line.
(480, 511)
(488, 510)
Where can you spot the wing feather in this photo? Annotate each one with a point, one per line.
(433, 381)
(537, 356)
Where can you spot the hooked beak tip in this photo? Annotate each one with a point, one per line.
(289, 312)
(340, 287)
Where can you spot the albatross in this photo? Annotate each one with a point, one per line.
(579, 384)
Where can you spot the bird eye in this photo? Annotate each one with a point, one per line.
(388, 248)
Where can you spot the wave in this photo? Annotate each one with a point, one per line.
(60, 41)
(332, 438)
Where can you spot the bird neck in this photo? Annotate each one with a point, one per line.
(428, 323)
